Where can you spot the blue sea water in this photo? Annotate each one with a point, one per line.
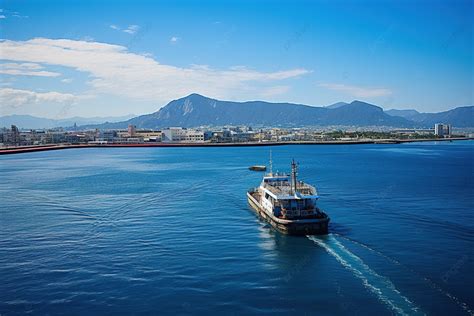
(168, 231)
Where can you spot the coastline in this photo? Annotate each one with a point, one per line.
(27, 149)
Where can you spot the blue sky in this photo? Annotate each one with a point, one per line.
(89, 58)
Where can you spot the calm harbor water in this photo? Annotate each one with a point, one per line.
(168, 230)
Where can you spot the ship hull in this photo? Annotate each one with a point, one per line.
(290, 227)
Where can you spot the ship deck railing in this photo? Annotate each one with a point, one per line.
(283, 187)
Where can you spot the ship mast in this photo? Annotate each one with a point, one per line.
(294, 170)
(271, 163)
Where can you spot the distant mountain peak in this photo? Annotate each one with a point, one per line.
(336, 105)
(358, 102)
(195, 97)
(364, 105)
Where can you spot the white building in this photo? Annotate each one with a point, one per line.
(179, 134)
(174, 134)
(194, 136)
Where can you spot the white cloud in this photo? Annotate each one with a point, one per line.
(131, 29)
(174, 39)
(11, 13)
(16, 98)
(114, 70)
(355, 91)
(26, 69)
(67, 80)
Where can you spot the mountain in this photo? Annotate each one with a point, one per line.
(197, 110)
(459, 117)
(336, 105)
(33, 122)
(408, 114)
(358, 113)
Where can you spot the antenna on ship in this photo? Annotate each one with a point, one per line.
(271, 163)
(293, 183)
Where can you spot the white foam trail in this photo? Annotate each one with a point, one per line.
(381, 286)
(432, 284)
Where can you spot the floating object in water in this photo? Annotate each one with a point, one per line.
(258, 168)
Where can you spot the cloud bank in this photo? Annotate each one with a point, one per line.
(114, 70)
(15, 97)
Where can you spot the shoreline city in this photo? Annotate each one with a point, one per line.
(13, 141)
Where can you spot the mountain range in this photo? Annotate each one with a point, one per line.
(197, 110)
(33, 122)
(459, 117)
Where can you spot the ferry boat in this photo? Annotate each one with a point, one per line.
(288, 205)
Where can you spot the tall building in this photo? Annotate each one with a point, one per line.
(442, 130)
(447, 130)
(15, 135)
(131, 130)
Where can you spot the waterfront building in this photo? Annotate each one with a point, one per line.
(438, 129)
(149, 135)
(222, 136)
(194, 136)
(174, 134)
(287, 137)
(10, 136)
(179, 134)
(107, 135)
(447, 130)
(75, 138)
(442, 130)
(131, 130)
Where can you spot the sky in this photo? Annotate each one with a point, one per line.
(62, 59)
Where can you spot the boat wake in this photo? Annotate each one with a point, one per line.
(379, 285)
(427, 280)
